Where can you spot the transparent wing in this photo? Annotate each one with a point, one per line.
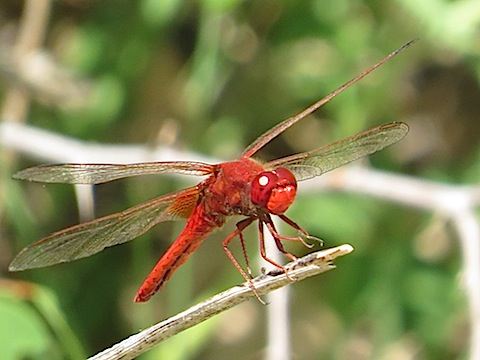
(101, 173)
(91, 237)
(265, 138)
(317, 162)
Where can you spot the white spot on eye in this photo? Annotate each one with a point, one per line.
(263, 180)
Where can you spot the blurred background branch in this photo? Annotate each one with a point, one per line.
(31, 33)
(172, 80)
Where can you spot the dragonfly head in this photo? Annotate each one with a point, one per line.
(274, 190)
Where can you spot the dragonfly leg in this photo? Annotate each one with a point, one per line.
(245, 256)
(277, 237)
(303, 232)
(240, 227)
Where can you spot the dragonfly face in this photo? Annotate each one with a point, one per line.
(274, 191)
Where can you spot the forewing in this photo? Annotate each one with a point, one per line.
(317, 162)
(91, 237)
(265, 138)
(101, 173)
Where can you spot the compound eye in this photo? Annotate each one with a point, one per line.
(262, 187)
(274, 190)
(285, 177)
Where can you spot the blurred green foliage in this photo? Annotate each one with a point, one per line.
(223, 72)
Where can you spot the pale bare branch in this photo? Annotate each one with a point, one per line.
(308, 266)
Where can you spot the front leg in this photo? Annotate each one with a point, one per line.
(302, 231)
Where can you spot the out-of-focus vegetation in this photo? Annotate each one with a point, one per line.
(210, 76)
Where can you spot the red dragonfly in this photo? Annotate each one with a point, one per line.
(241, 187)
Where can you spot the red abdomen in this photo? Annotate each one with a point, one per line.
(198, 227)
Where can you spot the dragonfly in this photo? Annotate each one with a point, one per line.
(246, 186)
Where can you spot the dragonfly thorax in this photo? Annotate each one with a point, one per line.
(227, 191)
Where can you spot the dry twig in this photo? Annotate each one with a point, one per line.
(310, 265)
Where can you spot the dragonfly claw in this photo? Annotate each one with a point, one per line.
(313, 239)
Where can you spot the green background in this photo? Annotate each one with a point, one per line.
(209, 77)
